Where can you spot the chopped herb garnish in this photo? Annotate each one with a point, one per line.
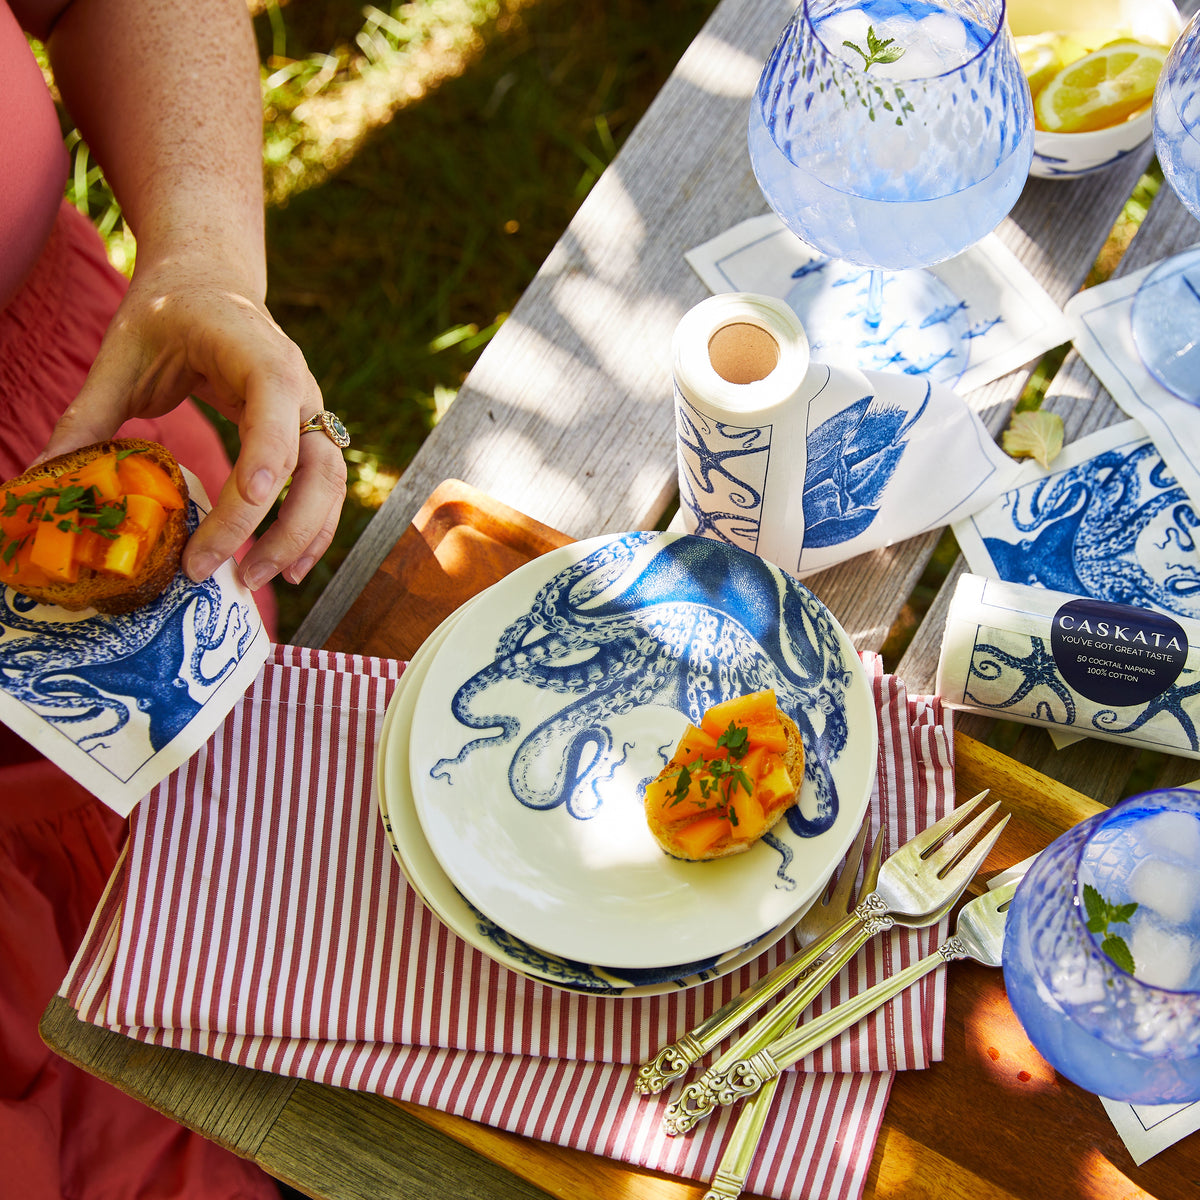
(683, 785)
(717, 778)
(735, 739)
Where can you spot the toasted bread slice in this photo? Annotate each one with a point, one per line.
(97, 589)
(673, 839)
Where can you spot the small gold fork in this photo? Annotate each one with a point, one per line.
(828, 911)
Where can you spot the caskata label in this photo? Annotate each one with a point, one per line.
(1116, 654)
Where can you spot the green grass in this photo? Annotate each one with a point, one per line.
(421, 161)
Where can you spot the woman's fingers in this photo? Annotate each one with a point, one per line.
(307, 519)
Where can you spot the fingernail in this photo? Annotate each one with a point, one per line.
(257, 575)
(262, 487)
(200, 566)
(299, 569)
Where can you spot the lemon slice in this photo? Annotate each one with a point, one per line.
(1101, 89)
(1040, 60)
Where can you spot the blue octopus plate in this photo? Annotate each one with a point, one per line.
(431, 884)
(543, 717)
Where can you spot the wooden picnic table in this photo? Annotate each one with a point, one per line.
(565, 430)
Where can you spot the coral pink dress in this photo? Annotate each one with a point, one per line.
(65, 1135)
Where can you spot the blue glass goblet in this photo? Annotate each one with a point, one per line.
(891, 134)
(1166, 308)
(1102, 950)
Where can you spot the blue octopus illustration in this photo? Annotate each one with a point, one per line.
(851, 459)
(650, 619)
(1084, 528)
(83, 675)
(1006, 678)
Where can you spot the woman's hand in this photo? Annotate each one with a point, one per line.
(168, 98)
(187, 327)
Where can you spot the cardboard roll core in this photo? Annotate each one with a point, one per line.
(742, 352)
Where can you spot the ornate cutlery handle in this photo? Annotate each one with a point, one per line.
(748, 1075)
(792, 1047)
(730, 1176)
(700, 1097)
(672, 1061)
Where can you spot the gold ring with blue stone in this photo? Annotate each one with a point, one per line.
(329, 424)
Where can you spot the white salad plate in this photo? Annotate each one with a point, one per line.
(541, 720)
(439, 895)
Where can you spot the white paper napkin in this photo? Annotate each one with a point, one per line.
(984, 316)
(119, 702)
(1103, 335)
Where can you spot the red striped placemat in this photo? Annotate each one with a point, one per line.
(259, 917)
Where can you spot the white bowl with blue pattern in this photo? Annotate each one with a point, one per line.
(1072, 155)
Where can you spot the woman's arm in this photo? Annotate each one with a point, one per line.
(167, 97)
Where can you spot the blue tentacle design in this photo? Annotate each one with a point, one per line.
(90, 676)
(1093, 530)
(649, 619)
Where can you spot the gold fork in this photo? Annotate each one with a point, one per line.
(915, 885)
(829, 911)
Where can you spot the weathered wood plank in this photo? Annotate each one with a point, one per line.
(568, 415)
(231, 1105)
(340, 1145)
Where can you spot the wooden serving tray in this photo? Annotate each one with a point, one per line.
(992, 1120)
(461, 542)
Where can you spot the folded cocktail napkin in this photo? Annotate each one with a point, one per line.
(962, 323)
(1107, 520)
(1103, 335)
(259, 917)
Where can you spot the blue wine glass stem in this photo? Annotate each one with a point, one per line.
(874, 299)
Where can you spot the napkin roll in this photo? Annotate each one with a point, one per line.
(742, 391)
(808, 464)
(1073, 664)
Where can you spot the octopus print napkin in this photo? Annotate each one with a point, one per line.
(1108, 520)
(119, 702)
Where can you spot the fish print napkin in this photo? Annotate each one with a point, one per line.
(963, 322)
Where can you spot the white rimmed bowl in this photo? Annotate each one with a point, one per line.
(1070, 155)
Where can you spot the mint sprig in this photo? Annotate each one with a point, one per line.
(879, 50)
(1100, 915)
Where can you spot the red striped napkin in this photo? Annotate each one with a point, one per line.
(258, 916)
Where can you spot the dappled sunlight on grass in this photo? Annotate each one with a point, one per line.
(319, 109)
(421, 160)
(370, 480)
